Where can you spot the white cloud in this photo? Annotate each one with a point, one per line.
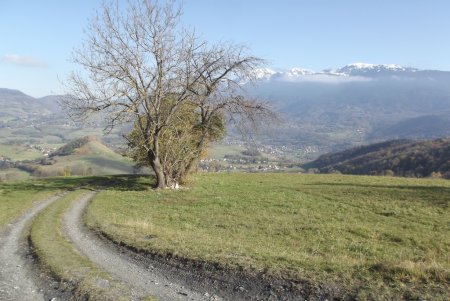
(23, 60)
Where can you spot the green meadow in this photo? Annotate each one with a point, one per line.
(379, 238)
(17, 197)
(376, 237)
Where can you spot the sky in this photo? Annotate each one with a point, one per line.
(37, 37)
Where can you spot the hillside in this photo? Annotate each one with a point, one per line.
(83, 156)
(398, 157)
(88, 155)
(42, 122)
(17, 105)
(427, 126)
(88, 145)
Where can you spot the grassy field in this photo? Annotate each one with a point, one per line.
(97, 164)
(92, 158)
(13, 175)
(19, 152)
(218, 151)
(378, 238)
(17, 197)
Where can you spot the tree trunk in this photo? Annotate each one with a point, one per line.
(155, 163)
(160, 177)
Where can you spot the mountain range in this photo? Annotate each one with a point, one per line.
(349, 71)
(323, 111)
(356, 104)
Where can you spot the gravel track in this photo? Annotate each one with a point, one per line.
(16, 281)
(142, 279)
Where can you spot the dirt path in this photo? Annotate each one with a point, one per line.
(144, 279)
(16, 282)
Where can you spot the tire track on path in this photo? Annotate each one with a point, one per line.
(16, 282)
(144, 280)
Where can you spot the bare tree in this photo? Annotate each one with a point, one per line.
(140, 66)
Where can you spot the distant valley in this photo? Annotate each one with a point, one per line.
(321, 112)
(356, 104)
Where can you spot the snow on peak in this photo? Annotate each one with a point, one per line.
(298, 72)
(374, 66)
(354, 71)
(393, 67)
(365, 67)
(291, 74)
(361, 66)
(263, 73)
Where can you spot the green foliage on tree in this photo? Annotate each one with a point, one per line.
(181, 145)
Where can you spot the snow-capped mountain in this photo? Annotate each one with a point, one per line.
(355, 69)
(362, 102)
(364, 68)
(263, 73)
(298, 72)
(270, 74)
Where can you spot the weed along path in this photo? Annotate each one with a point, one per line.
(142, 277)
(15, 280)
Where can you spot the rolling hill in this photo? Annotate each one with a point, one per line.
(397, 157)
(87, 156)
(83, 156)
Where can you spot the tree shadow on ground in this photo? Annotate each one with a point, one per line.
(114, 182)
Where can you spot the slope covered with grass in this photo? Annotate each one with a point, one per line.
(86, 156)
(376, 238)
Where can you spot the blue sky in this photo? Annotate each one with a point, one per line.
(36, 37)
